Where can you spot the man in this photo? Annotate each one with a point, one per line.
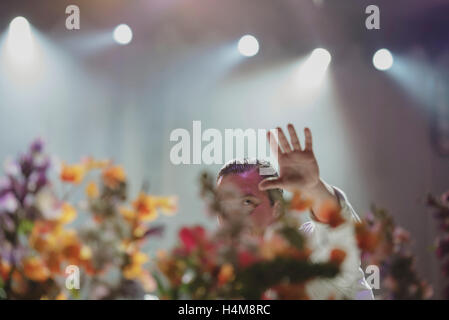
(258, 197)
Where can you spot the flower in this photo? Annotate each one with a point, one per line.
(367, 240)
(298, 203)
(192, 238)
(35, 269)
(68, 213)
(72, 173)
(168, 205)
(172, 268)
(5, 267)
(246, 258)
(92, 190)
(337, 256)
(145, 206)
(225, 274)
(113, 176)
(91, 164)
(134, 268)
(331, 214)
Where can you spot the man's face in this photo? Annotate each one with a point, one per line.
(239, 194)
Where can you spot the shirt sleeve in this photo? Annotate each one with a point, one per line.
(350, 283)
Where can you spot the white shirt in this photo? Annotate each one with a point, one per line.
(350, 283)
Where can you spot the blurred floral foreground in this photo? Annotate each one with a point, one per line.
(47, 232)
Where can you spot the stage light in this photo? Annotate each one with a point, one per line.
(123, 34)
(248, 46)
(383, 59)
(20, 41)
(314, 68)
(321, 57)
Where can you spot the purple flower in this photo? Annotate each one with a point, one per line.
(37, 181)
(37, 146)
(8, 202)
(18, 188)
(26, 164)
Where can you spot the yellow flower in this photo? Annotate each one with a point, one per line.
(92, 190)
(134, 269)
(168, 205)
(128, 214)
(145, 207)
(139, 231)
(91, 164)
(68, 213)
(113, 176)
(86, 253)
(72, 173)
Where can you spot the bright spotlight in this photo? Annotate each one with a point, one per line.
(20, 41)
(383, 59)
(321, 57)
(248, 46)
(314, 68)
(123, 34)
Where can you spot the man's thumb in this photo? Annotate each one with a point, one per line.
(270, 183)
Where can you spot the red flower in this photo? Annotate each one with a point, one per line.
(246, 259)
(192, 238)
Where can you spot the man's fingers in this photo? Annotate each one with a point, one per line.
(270, 183)
(294, 137)
(283, 140)
(308, 135)
(273, 144)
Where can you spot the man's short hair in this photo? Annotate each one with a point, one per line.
(238, 166)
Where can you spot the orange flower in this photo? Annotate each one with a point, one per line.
(113, 176)
(367, 240)
(35, 269)
(145, 207)
(331, 214)
(72, 173)
(337, 256)
(4, 270)
(298, 203)
(92, 190)
(226, 274)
